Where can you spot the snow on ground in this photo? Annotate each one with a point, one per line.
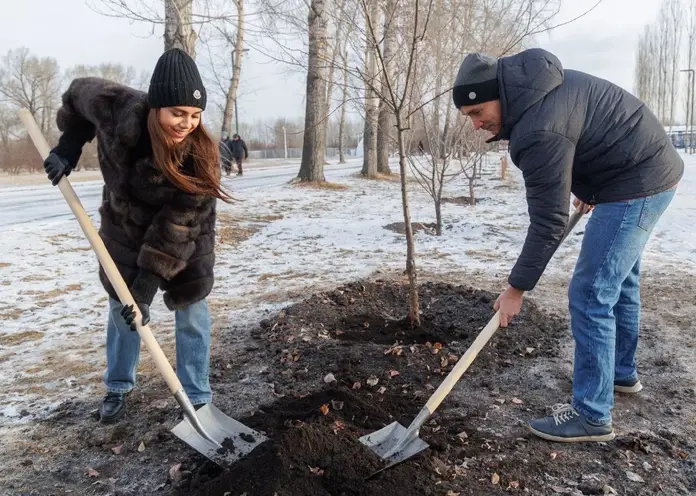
(277, 244)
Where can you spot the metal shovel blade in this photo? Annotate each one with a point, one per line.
(384, 441)
(235, 440)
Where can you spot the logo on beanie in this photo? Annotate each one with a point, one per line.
(472, 95)
(197, 95)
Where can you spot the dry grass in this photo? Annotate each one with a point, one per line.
(11, 314)
(43, 296)
(20, 337)
(4, 264)
(393, 177)
(231, 232)
(324, 185)
(35, 278)
(285, 276)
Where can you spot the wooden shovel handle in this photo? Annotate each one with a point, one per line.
(103, 255)
(467, 358)
(480, 341)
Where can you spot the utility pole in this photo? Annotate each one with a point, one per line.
(285, 142)
(689, 112)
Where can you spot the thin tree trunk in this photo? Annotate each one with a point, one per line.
(342, 123)
(236, 56)
(312, 167)
(385, 121)
(414, 304)
(332, 71)
(371, 96)
(178, 26)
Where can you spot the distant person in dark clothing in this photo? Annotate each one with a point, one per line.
(421, 148)
(239, 152)
(226, 157)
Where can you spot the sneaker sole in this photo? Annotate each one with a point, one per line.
(580, 439)
(629, 389)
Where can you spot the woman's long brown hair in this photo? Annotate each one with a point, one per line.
(198, 145)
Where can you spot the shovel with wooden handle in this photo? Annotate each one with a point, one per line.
(209, 431)
(396, 443)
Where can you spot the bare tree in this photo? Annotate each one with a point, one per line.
(690, 62)
(312, 166)
(385, 120)
(178, 17)
(113, 72)
(372, 89)
(32, 83)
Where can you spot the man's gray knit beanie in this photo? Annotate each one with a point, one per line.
(476, 81)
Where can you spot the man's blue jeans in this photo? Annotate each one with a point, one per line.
(605, 300)
(192, 351)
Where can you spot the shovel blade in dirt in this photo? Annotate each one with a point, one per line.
(393, 444)
(233, 440)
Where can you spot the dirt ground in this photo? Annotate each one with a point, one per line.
(343, 363)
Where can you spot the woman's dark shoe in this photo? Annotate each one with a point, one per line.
(113, 407)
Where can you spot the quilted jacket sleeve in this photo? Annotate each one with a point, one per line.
(546, 161)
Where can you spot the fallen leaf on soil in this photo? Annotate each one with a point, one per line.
(394, 373)
(683, 454)
(382, 390)
(530, 350)
(324, 408)
(141, 448)
(413, 348)
(513, 485)
(395, 350)
(91, 472)
(338, 426)
(316, 470)
(437, 346)
(517, 401)
(372, 381)
(443, 362)
(462, 435)
(632, 476)
(647, 467)
(553, 456)
(495, 478)
(608, 490)
(356, 385)
(175, 473)
(452, 493)
(339, 332)
(500, 400)
(337, 405)
(329, 378)
(428, 344)
(117, 449)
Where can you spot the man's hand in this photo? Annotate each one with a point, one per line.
(509, 303)
(584, 207)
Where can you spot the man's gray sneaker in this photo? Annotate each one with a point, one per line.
(630, 386)
(567, 425)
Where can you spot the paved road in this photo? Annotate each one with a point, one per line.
(22, 205)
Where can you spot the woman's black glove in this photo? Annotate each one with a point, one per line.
(56, 167)
(128, 314)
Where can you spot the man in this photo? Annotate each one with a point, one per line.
(239, 152)
(225, 148)
(572, 132)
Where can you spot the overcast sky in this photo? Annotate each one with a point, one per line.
(602, 43)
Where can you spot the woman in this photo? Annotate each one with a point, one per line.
(162, 181)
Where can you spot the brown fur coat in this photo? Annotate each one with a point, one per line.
(158, 235)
